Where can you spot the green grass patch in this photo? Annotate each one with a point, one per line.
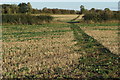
(96, 61)
(105, 29)
(32, 32)
(98, 24)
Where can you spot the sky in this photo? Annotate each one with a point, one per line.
(59, 0)
(39, 4)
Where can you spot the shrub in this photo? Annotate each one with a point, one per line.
(101, 16)
(26, 19)
(116, 15)
(92, 17)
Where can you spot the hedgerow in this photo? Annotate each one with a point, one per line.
(101, 16)
(26, 19)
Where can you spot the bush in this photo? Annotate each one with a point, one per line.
(101, 16)
(116, 15)
(92, 17)
(96, 17)
(26, 19)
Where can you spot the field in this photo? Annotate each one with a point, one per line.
(64, 18)
(45, 48)
(60, 50)
(106, 35)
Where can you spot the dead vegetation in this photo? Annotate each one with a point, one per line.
(38, 57)
(66, 17)
(106, 35)
(58, 50)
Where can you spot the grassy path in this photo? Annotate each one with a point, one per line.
(96, 61)
(106, 35)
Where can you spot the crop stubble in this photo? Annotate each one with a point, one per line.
(47, 54)
(106, 35)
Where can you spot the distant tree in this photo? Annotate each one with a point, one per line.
(29, 7)
(108, 14)
(44, 9)
(92, 9)
(98, 10)
(49, 11)
(82, 9)
(72, 12)
(116, 15)
(107, 10)
(23, 8)
(14, 9)
(56, 11)
(36, 11)
(8, 10)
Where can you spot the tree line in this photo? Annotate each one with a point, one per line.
(98, 15)
(27, 9)
(25, 19)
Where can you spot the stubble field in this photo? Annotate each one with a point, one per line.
(45, 50)
(60, 50)
(106, 35)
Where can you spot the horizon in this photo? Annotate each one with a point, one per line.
(60, 1)
(74, 6)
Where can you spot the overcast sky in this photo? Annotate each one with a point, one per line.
(59, 0)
